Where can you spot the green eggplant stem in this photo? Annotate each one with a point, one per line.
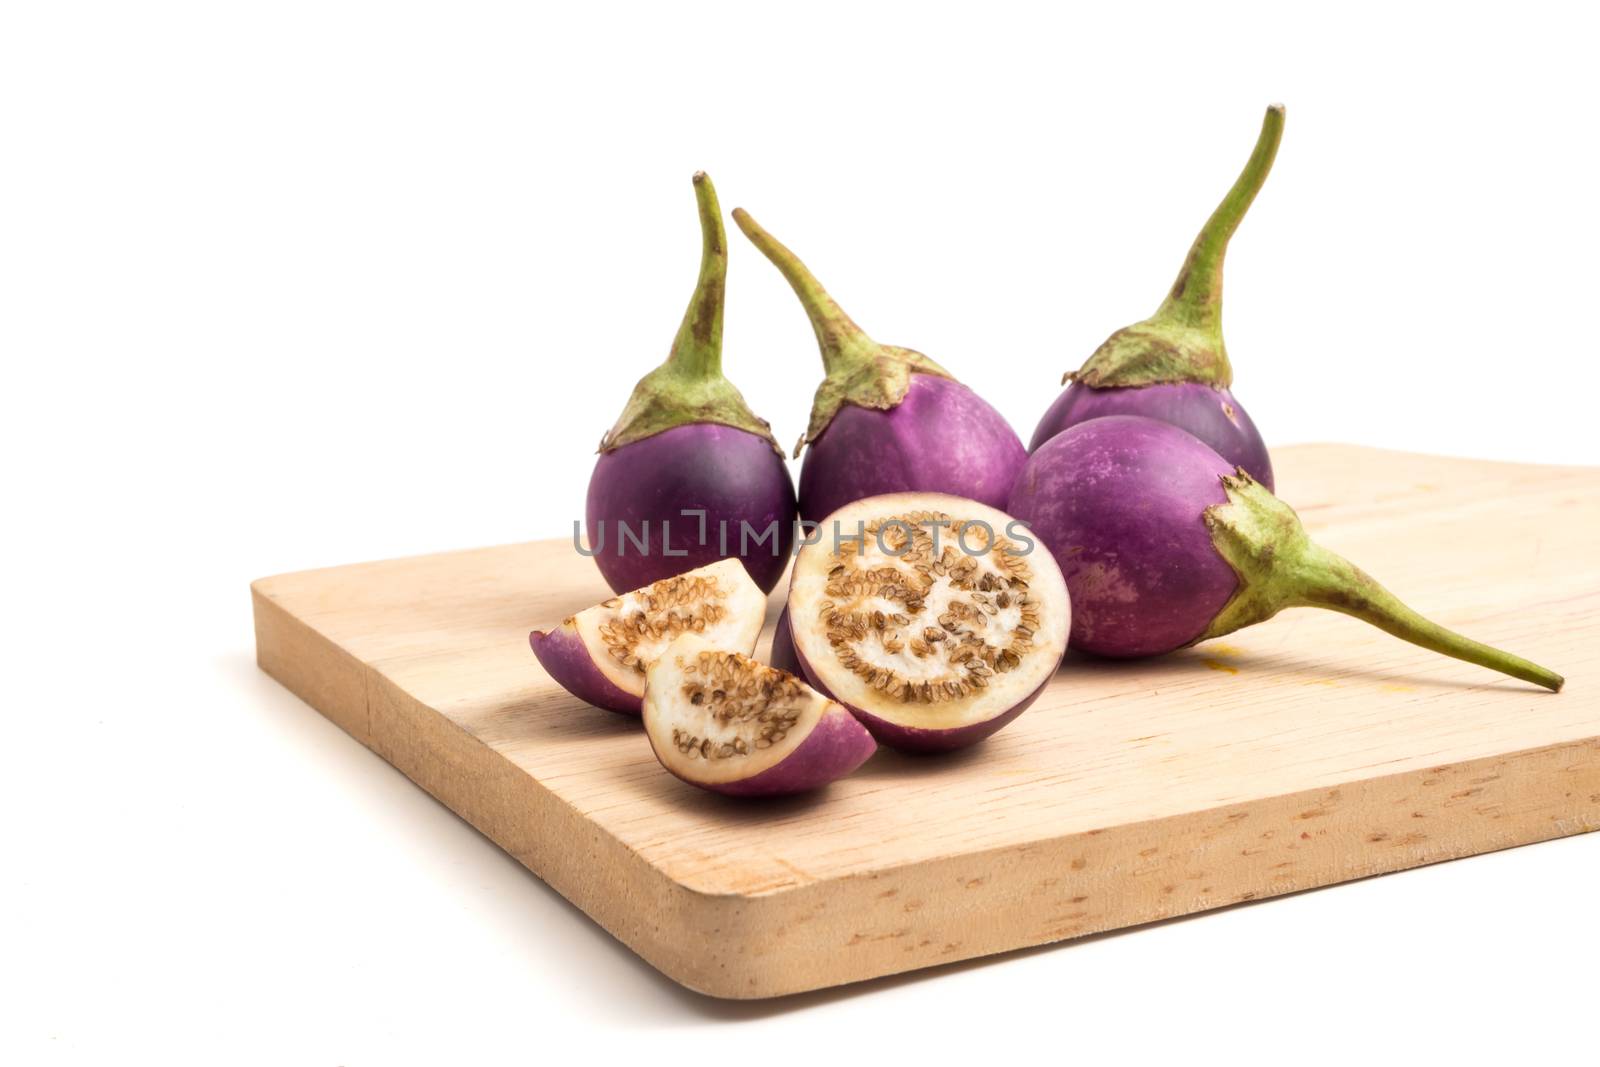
(1335, 583)
(697, 350)
(857, 369)
(843, 343)
(689, 387)
(1279, 566)
(1182, 341)
(1196, 296)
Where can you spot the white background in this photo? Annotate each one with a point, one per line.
(286, 285)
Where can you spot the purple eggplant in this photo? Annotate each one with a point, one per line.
(887, 419)
(689, 475)
(1173, 366)
(1164, 543)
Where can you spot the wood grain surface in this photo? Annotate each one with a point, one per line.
(1302, 752)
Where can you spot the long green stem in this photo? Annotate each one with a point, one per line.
(697, 350)
(859, 371)
(690, 386)
(1182, 341)
(844, 345)
(1339, 585)
(1196, 296)
(1279, 567)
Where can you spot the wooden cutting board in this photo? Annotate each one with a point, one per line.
(1302, 752)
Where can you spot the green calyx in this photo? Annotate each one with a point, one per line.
(857, 369)
(1182, 341)
(689, 387)
(1280, 567)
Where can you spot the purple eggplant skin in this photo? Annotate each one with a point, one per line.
(836, 746)
(1206, 411)
(784, 657)
(733, 476)
(1120, 502)
(941, 438)
(563, 655)
(912, 739)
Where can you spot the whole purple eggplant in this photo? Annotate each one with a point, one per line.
(689, 475)
(887, 419)
(1173, 366)
(1164, 543)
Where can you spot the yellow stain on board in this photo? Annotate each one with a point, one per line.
(1218, 665)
